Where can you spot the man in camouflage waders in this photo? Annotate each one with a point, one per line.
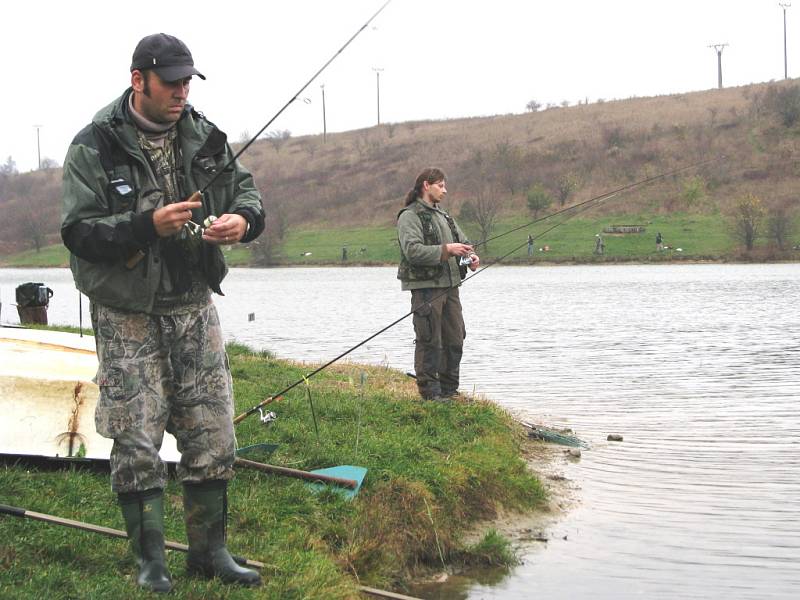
(431, 246)
(129, 220)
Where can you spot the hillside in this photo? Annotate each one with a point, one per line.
(358, 179)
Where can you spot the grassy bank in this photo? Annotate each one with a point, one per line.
(698, 236)
(687, 237)
(433, 470)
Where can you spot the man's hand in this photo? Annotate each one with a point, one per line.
(226, 229)
(476, 262)
(168, 220)
(458, 249)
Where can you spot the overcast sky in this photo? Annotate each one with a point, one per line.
(62, 61)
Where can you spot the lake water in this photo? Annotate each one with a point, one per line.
(697, 366)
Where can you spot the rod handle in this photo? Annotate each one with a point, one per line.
(12, 510)
(307, 475)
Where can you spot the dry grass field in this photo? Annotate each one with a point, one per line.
(360, 178)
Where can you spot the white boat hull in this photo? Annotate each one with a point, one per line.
(48, 398)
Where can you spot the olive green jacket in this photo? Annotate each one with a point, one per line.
(418, 252)
(109, 196)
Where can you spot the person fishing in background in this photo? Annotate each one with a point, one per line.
(148, 268)
(433, 249)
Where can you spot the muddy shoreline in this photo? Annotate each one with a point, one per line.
(525, 531)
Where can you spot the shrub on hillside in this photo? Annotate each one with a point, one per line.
(785, 103)
(539, 199)
(746, 217)
(694, 191)
(780, 226)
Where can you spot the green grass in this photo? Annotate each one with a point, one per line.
(700, 237)
(50, 256)
(433, 470)
(57, 255)
(67, 328)
(325, 245)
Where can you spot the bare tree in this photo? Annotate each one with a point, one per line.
(30, 225)
(265, 249)
(565, 186)
(9, 167)
(509, 160)
(780, 226)
(483, 208)
(746, 217)
(533, 106)
(49, 163)
(278, 138)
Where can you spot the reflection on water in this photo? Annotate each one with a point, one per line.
(695, 365)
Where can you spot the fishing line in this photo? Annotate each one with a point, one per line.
(582, 206)
(292, 99)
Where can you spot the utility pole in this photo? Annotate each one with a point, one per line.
(719, 48)
(378, 84)
(38, 147)
(785, 62)
(324, 122)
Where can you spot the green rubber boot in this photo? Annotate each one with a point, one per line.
(144, 521)
(206, 511)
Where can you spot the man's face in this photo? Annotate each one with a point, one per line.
(435, 191)
(158, 100)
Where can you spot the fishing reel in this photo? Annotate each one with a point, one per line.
(267, 418)
(192, 234)
(190, 228)
(464, 261)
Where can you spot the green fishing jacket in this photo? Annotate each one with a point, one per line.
(422, 232)
(109, 196)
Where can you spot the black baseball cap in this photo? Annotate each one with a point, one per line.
(166, 55)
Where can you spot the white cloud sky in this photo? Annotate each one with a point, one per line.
(62, 61)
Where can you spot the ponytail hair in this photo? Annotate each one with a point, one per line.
(431, 175)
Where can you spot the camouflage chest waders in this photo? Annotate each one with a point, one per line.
(157, 373)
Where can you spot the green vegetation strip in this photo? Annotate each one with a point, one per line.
(699, 237)
(434, 470)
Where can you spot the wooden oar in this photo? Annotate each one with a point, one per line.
(307, 475)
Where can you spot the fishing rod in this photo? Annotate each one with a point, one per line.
(278, 395)
(583, 206)
(15, 511)
(292, 99)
